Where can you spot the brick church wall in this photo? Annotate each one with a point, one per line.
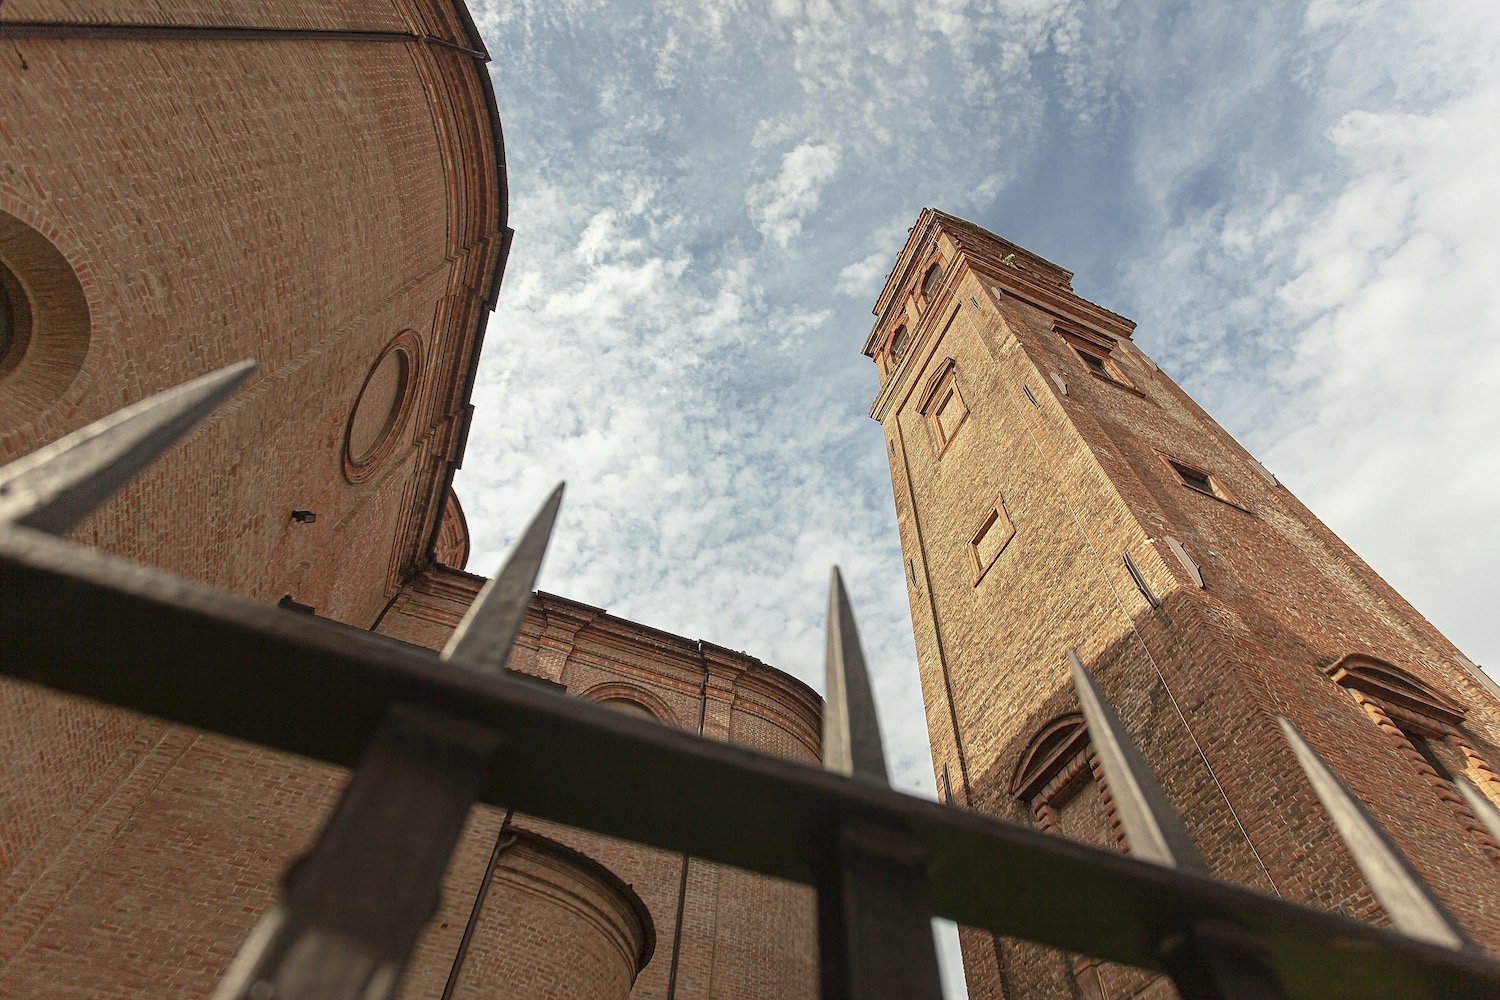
(281, 201)
(554, 925)
(312, 203)
(300, 202)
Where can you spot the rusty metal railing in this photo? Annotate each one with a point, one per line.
(428, 734)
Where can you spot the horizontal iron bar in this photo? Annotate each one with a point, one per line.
(85, 623)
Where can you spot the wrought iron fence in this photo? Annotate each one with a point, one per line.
(428, 734)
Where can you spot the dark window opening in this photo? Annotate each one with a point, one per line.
(932, 282)
(1096, 352)
(1429, 753)
(898, 344)
(1200, 481)
(15, 320)
(7, 321)
(1196, 481)
(1096, 365)
(1099, 361)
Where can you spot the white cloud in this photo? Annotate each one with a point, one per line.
(779, 206)
(1400, 348)
(859, 278)
(602, 238)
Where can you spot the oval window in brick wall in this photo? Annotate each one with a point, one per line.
(381, 409)
(44, 323)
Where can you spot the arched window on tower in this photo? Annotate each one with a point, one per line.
(932, 283)
(1060, 780)
(899, 342)
(1427, 727)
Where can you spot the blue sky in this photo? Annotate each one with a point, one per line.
(1293, 200)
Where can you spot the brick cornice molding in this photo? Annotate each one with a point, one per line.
(1394, 687)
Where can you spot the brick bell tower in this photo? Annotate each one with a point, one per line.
(1054, 491)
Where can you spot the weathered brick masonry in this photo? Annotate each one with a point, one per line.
(1033, 448)
(298, 202)
(320, 187)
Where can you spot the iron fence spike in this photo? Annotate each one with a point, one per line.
(55, 487)
(1413, 910)
(851, 730)
(1484, 810)
(1155, 832)
(484, 638)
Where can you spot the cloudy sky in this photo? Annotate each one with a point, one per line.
(1295, 201)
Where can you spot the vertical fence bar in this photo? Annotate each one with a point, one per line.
(874, 919)
(352, 908)
(874, 914)
(1217, 960)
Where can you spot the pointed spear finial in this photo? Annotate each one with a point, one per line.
(484, 638)
(55, 487)
(1413, 910)
(1155, 831)
(1206, 957)
(851, 731)
(1484, 810)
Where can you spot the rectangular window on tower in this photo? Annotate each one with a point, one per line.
(1101, 364)
(943, 406)
(994, 533)
(1096, 351)
(1196, 479)
(949, 413)
(1094, 363)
